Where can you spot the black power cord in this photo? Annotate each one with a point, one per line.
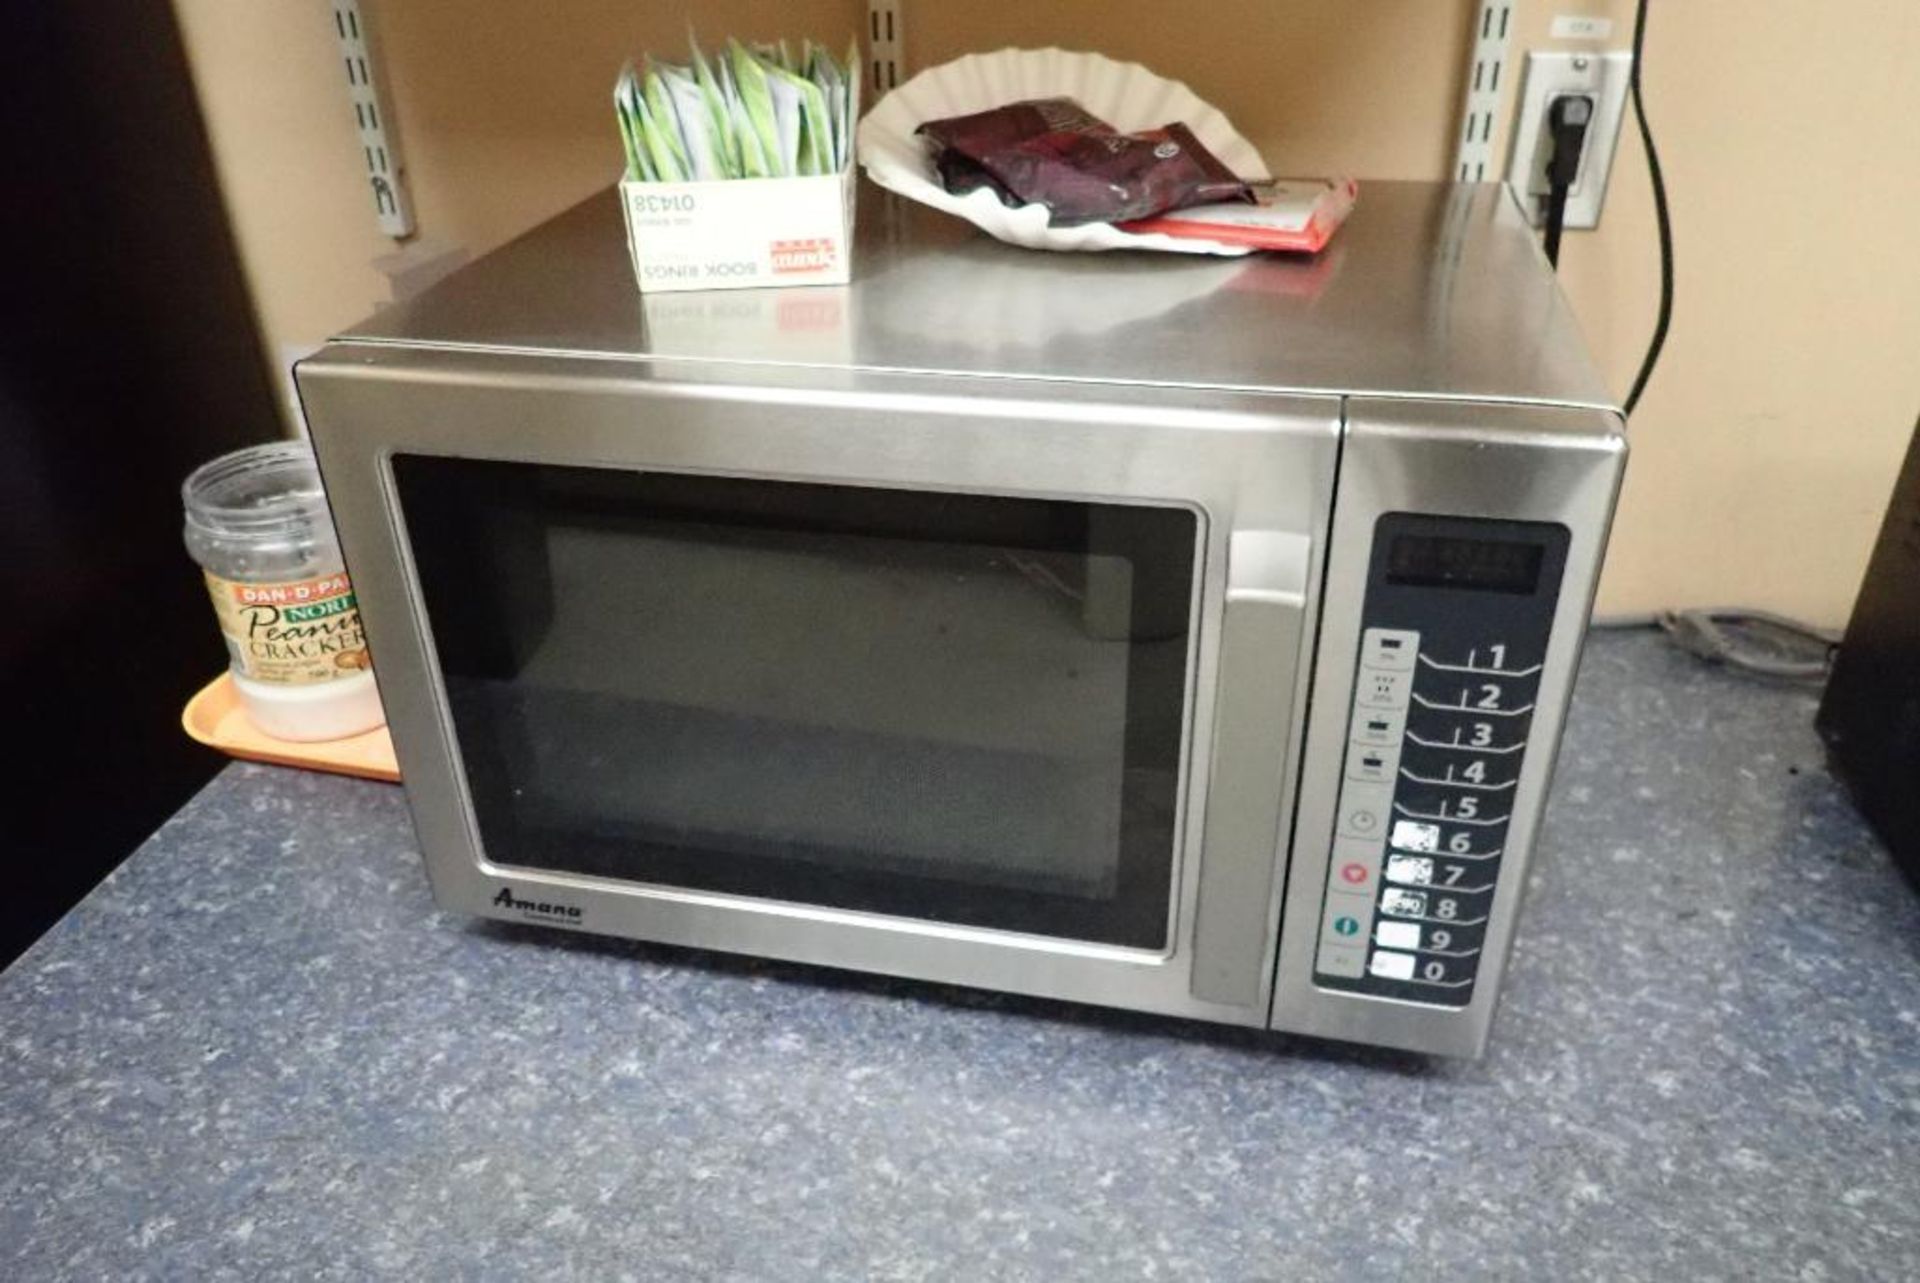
(1567, 121)
(1758, 641)
(1754, 641)
(1662, 217)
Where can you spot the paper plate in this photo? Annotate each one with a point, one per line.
(1124, 94)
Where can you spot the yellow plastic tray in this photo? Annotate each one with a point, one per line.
(215, 718)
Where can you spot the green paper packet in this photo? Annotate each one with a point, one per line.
(697, 141)
(664, 121)
(714, 99)
(825, 72)
(628, 142)
(630, 108)
(786, 118)
(668, 167)
(814, 141)
(756, 101)
(753, 158)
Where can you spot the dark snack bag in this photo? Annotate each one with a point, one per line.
(959, 141)
(961, 174)
(1088, 177)
(984, 131)
(1053, 152)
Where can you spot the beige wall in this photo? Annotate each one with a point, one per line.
(1765, 448)
(1763, 451)
(275, 103)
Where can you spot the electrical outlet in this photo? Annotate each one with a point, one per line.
(1602, 77)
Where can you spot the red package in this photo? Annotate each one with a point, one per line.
(1300, 215)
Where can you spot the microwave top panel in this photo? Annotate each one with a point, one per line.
(1434, 291)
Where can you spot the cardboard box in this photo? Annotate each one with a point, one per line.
(740, 233)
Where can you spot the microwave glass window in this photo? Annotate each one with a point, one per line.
(960, 708)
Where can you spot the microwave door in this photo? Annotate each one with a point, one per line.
(959, 709)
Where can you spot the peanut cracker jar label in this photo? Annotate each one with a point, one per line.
(292, 633)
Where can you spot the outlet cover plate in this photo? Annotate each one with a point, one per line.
(1600, 76)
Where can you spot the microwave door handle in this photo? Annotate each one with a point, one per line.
(1268, 567)
(1259, 671)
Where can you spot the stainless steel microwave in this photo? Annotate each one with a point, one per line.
(1188, 635)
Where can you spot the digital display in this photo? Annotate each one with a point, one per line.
(1490, 565)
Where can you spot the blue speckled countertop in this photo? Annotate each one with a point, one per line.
(258, 1050)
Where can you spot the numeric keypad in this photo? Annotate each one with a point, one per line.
(1409, 895)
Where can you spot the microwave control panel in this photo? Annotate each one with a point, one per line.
(1452, 644)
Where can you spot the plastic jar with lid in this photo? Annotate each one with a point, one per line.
(258, 524)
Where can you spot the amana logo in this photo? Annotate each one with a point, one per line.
(508, 900)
